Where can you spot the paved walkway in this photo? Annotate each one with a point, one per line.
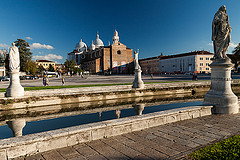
(171, 141)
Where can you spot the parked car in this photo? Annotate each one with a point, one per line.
(4, 79)
(31, 77)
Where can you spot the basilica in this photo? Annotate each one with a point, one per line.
(115, 58)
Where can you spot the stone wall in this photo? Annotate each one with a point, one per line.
(40, 142)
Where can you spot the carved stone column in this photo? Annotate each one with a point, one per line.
(138, 108)
(220, 94)
(14, 89)
(138, 83)
(16, 126)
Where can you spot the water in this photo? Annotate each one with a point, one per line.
(69, 121)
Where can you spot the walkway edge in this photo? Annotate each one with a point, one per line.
(41, 142)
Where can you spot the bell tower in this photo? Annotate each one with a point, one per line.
(115, 37)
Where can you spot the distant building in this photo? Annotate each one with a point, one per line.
(197, 61)
(114, 58)
(2, 71)
(150, 65)
(45, 63)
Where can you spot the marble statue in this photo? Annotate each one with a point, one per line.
(220, 95)
(136, 64)
(221, 33)
(14, 62)
(14, 89)
(137, 83)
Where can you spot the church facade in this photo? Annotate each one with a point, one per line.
(115, 58)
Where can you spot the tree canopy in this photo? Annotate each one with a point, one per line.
(236, 57)
(24, 53)
(70, 64)
(31, 67)
(51, 68)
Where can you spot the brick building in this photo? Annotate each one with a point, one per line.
(116, 58)
(150, 65)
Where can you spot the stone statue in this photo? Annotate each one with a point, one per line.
(221, 34)
(136, 64)
(14, 89)
(14, 63)
(137, 83)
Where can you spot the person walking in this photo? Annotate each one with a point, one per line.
(44, 81)
(47, 81)
(63, 81)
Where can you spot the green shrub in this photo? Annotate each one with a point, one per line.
(228, 149)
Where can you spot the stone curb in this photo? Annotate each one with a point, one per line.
(53, 96)
(41, 142)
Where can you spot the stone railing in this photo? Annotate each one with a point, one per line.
(40, 142)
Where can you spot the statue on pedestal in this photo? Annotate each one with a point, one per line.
(220, 95)
(137, 83)
(14, 89)
(221, 34)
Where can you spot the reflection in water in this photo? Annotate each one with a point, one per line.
(17, 126)
(138, 108)
(117, 113)
(100, 115)
(18, 129)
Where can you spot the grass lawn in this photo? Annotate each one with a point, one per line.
(228, 149)
(91, 85)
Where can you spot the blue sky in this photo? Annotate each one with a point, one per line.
(53, 27)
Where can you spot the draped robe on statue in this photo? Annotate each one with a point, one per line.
(221, 33)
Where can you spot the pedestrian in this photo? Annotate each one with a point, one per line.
(194, 78)
(63, 81)
(81, 74)
(44, 81)
(47, 81)
(151, 76)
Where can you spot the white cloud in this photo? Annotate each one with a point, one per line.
(29, 38)
(48, 57)
(4, 45)
(40, 46)
(232, 44)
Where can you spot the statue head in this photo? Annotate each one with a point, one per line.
(223, 8)
(13, 44)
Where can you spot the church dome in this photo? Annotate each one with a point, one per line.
(98, 42)
(92, 46)
(81, 46)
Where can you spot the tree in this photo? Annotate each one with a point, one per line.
(77, 70)
(236, 57)
(31, 67)
(3, 56)
(51, 68)
(69, 65)
(40, 69)
(24, 53)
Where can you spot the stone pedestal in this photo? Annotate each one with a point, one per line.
(16, 126)
(138, 83)
(14, 89)
(220, 94)
(138, 108)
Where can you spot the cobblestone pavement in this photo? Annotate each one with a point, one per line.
(171, 141)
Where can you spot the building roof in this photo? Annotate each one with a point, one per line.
(151, 58)
(187, 54)
(44, 61)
